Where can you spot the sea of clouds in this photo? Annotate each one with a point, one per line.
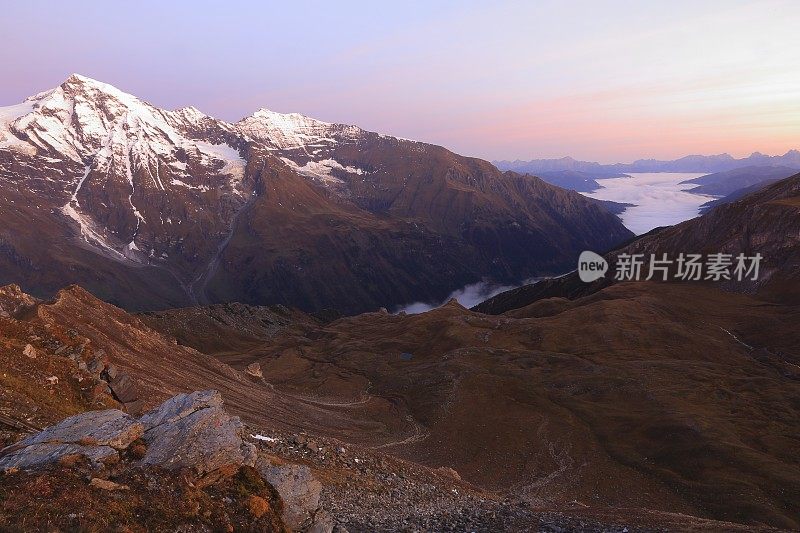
(659, 197)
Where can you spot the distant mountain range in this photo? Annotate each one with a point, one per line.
(690, 163)
(734, 184)
(577, 180)
(730, 181)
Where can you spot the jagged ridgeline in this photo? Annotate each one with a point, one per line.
(149, 208)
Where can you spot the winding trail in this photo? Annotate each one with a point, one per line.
(365, 397)
(737, 339)
(420, 433)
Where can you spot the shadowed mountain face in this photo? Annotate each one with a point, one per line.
(151, 208)
(765, 222)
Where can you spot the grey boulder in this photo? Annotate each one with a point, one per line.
(39, 455)
(298, 488)
(97, 435)
(188, 431)
(193, 431)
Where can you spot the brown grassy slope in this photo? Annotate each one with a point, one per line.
(61, 499)
(224, 327)
(163, 368)
(666, 396)
(662, 396)
(41, 390)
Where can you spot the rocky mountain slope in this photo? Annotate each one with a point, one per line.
(151, 208)
(139, 367)
(596, 400)
(560, 416)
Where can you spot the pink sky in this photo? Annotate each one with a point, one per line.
(607, 81)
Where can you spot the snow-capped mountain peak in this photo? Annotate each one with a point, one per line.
(90, 122)
(87, 84)
(289, 120)
(291, 131)
(190, 116)
(105, 154)
(82, 117)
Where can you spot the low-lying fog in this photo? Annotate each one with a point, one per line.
(659, 197)
(468, 296)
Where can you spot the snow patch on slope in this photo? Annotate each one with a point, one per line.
(180, 183)
(7, 116)
(321, 170)
(234, 163)
(85, 224)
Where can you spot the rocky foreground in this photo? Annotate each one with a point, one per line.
(188, 466)
(183, 465)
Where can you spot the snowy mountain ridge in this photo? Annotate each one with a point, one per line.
(98, 134)
(292, 131)
(87, 120)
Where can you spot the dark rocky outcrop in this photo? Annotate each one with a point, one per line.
(14, 301)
